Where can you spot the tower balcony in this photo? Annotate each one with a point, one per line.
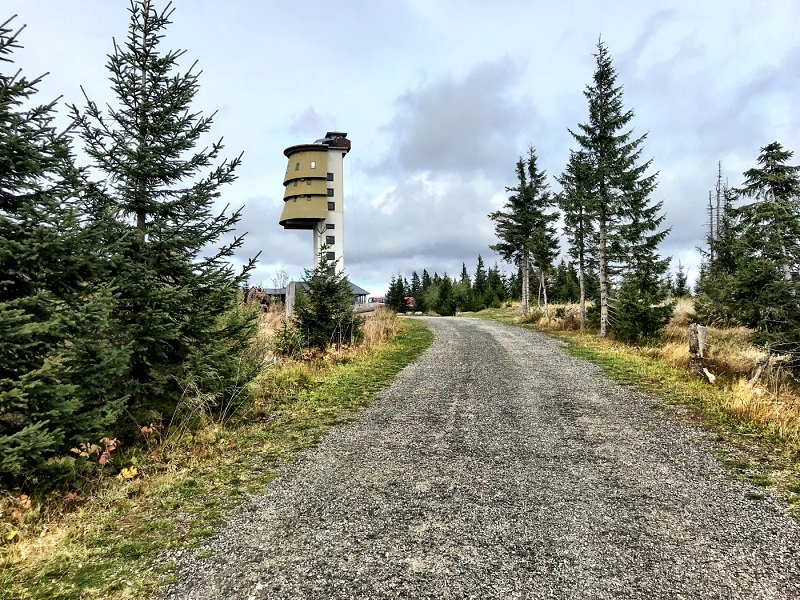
(304, 213)
(301, 188)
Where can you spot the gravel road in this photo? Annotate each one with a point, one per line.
(498, 466)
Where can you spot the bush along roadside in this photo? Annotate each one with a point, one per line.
(174, 491)
(753, 445)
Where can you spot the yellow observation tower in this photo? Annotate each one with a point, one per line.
(314, 194)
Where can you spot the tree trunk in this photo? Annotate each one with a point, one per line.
(526, 306)
(712, 241)
(539, 293)
(602, 260)
(141, 214)
(582, 284)
(544, 292)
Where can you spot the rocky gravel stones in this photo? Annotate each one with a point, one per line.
(498, 466)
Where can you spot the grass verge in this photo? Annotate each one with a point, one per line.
(107, 546)
(764, 453)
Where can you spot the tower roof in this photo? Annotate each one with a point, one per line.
(332, 140)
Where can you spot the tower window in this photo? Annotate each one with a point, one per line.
(308, 182)
(295, 184)
(330, 226)
(331, 271)
(331, 205)
(313, 164)
(330, 240)
(330, 176)
(297, 166)
(330, 255)
(330, 191)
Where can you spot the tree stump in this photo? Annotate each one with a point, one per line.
(697, 348)
(762, 364)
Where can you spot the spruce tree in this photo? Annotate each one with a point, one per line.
(766, 282)
(395, 295)
(495, 292)
(558, 282)
(772, 220)
(177, 288)
(681, 288)
(416, 283)
(479, 284)
(524, 227)
(576, 205)
(565, 283)
(715, 289)
(60, 360)
(616, 189)
(465, 276)
(544, 240)
(426, 279)
(323, 310)
(444, 296)
(417, 290)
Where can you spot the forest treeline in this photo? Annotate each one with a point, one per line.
(612, 228)
(118, 299)
(492, 287)
(486, 288)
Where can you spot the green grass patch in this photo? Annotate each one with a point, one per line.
(106, 547)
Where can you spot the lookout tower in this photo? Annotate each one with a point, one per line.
(314, 193)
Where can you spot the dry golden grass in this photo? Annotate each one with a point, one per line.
(729, 353)
(379, 326)
(284, 377)
(779, 411)
(561, 317)
(269, 323)
(773, 401)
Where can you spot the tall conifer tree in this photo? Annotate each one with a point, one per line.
(60, 364)
(175, 279)
(617, 196)
(426, 280)
(544, 241)
(767, 280)
(524, 226)
(479, 283)
(576, 204)
(465, 276)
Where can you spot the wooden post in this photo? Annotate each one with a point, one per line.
(697, 350)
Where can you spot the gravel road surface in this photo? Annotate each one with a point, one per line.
(498, 466)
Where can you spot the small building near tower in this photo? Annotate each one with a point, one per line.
(314, 194)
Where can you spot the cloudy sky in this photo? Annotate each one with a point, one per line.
(440, 98)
